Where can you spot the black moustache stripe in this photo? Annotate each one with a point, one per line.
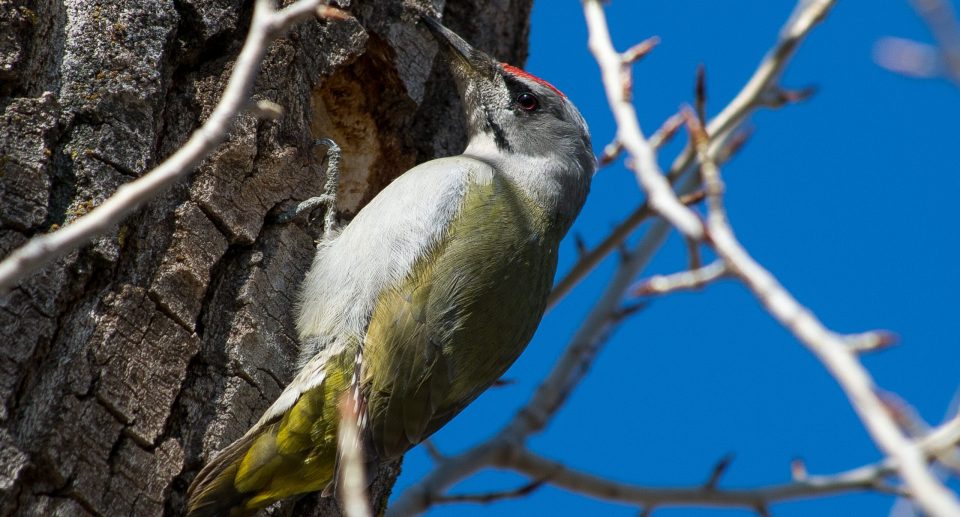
(499, 137)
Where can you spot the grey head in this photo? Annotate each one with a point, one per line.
(515, 116)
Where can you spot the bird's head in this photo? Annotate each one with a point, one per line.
(511, 111)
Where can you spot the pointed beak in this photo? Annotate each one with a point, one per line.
(473, 71)
(462, 50)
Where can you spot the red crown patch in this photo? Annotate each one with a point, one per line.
(520, 73)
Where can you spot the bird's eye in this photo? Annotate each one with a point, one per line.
(528, 101)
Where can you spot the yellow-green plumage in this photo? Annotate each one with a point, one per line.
(452, 328)
(439, 338)
(293, 454)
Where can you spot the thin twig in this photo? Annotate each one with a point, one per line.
(432, 450)
(682, 281)
(693, 197)
(591, 259)
(717, 472)
(610, 153)
(639, 51)
(351, 482)
(942, 21)
(700, 93)
(491, 497)
(944, 438)
(871, 341)
(666, 131)
(694, 260)
(798, 469)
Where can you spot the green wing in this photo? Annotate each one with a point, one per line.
(460, 319)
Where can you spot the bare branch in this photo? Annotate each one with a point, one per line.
(610, 153)
(666, 131)
(432, 450)
(871, 341)
(516, 457)
(693, 197)
(682, 281)
(659, 194)
(829, 347)
(745, 102)
(718, 471)
(700, 94)
(870, 478)
(907, 57)
(351, 482)
(589, 260)
(694, 260)
(490, 497)
(942, 21)
(943, 438)
(266, 26)
(640, 50)
(798, 469)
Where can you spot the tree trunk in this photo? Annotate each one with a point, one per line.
(126, 365)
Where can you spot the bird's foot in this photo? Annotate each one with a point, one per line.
(329, 197)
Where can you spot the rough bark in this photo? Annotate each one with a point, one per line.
(126, 365)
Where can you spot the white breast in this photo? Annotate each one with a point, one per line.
(379, 248)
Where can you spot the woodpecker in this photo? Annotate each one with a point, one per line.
(427, 296)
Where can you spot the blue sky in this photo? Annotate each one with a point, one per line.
(846, 199)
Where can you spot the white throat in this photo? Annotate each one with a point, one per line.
(542, 178)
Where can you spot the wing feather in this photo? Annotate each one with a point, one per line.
(459, 319)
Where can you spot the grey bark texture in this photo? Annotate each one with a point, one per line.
(126, 365)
